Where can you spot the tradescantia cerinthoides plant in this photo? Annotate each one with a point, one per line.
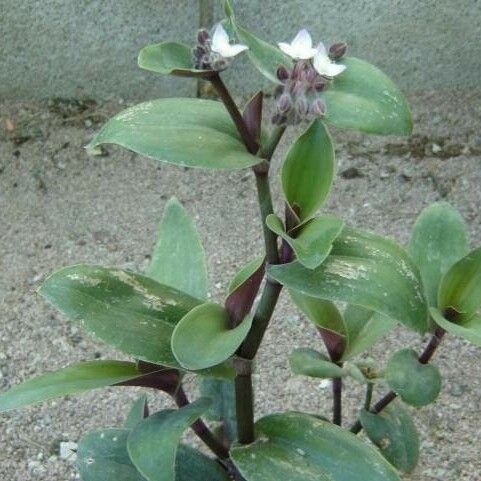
(162, 318)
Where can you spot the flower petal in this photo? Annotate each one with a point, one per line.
(321, 49)
(220, 39)
(287, 49)
(334, 69)
(233, 50)
(302, 41)
(321, 63)
(306, 53)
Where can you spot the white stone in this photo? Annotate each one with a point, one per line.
(68, 451)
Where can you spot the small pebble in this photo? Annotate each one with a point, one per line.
(68, 451)
(351, 173)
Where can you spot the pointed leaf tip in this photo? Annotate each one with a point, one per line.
(438, 241)
(308, 170)
(178, 259)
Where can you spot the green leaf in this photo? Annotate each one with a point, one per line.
(363, 329)
(470, 329)
(179, 259)
(181, 131)
(460, 287)
(314, 240)
(138, 411)
(394, 433)
(228, 10)
(73, 379)
(203, 339)
(298, 447)
(363, 98)
(328, 320)
(191, 465)
(417, 384)
(152, 445)
(128, 311)
(170, 58)
(265, 57)
(439, 239)
(355, 371)
(366, 270)
(308, 170)
(102, 456)
(245, 273)
(223, 409)
(309, 362)
(322, 313)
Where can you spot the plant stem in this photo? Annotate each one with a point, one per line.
(433, 344)
(262, 316)
(337, 396)
(266, 208)
(234, 112)
(270, 294)
(369, 392)
(424, 358)
(200, 428)
(244, 408)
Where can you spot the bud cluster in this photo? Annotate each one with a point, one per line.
(204, 58)
(299, 96)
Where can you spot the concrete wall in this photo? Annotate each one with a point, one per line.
(89, 47)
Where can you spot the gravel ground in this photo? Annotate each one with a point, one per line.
(59, 207)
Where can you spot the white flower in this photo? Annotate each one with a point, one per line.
(300, 47)
(221, 45)
(323, 64)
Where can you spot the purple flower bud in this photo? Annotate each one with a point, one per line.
(318, 107)
(302, 107)
(297, 87)
(320, 84)
(337, 50)
(284, 104)
(202, 36)
(311, 75)
(282, 73)
(298, 69)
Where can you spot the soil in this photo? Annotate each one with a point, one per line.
(59, 207)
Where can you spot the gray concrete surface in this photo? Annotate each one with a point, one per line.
(84, 47)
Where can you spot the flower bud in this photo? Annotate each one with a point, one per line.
(297, 88)
(297, 70)
(337, 50)
(282, 73)
(202, 36)
(311, 75)
(318, 107)
(198, 54)
(284, 104)
(302, 107)
(320, 84)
